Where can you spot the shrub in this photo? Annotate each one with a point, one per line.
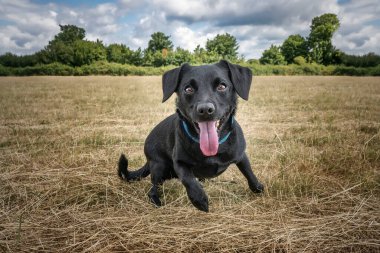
(117, 69)
(375, 71)
(312, 69)
(350, 71)
(367, 60)
(4, 71)
(299, 60)
(273, 56)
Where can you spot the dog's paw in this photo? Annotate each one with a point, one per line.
(199, 199)
(201, 204)
(257, 188)
(155, 200)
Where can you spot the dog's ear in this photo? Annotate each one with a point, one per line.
(241, 78)
(170, 81)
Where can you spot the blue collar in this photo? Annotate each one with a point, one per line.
(196, 139)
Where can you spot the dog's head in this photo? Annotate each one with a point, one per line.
(206, 97)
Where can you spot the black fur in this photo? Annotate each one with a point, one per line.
(171, 153)
(131, 175)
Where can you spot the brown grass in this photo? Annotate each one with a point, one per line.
(313, 141)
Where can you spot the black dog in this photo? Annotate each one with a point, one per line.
(202, 138)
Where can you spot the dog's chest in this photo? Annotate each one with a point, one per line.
(209, 167)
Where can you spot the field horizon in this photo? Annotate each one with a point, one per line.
(314, 141)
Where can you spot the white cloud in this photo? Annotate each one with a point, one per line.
(362, 41)
(256, 24)
(128, 5)
(30, 26)
(359, 12)
(243, 12)
(188, 39)
(26, 26)
(356, 34)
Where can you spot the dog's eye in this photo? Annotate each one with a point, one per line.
(221, 87)
(189, 90)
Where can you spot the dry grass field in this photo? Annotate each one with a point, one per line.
(313, 141)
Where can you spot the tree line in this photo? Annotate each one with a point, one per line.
(70, 48)
(316, 48)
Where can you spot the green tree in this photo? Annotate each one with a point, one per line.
(12, 60)
(201, 55)
(119, 53)
(61, 49)
(181, 56)
(87, 52)
(273, 56)
(293, 46)
(70, 48)
(136, 58)
(224, 45)
(367, 60)
(158, 58)
(319, 42)
(69, 34)
(154, 59)
(8, 59)
(58, 51)
(158, 42)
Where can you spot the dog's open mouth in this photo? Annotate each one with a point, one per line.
(218, 124)
(209, 132)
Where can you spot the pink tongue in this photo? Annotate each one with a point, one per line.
(208, 136)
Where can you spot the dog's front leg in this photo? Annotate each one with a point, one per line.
(194, 189)
(245, 168)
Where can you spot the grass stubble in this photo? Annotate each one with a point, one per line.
(313, 141)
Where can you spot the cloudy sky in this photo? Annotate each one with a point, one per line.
(26, 26)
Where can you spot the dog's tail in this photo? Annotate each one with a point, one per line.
(131, 175)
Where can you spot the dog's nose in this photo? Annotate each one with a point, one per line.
(205, 109)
